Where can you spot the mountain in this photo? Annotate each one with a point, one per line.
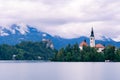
(17, 33)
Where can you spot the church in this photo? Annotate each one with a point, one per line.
(99, 47)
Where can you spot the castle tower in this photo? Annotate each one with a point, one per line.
(48, 42)
(92, 39)
(43, 37)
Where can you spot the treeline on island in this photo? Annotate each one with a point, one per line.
(28, 50)
(88, 54)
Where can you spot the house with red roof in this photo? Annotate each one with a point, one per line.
(82, 44)
(99, 47)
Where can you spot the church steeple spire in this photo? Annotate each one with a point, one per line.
(92, 39)
(92, 33)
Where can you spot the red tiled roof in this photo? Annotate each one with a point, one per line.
(83, 43)
(99, 46)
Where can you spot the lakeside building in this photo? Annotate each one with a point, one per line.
(99, 47)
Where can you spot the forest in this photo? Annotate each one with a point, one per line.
(28, 50)
(88, 54)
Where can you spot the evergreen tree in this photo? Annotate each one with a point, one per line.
(117, 55)
(109, 53)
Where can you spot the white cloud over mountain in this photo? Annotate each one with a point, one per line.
(66, 18)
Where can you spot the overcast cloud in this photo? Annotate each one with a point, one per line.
(66, 18)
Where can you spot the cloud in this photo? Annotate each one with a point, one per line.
(66, 18)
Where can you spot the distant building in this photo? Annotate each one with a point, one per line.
(48, 42)
(13, 57)
(99, 47)
(44, 37)
(82, 44)
(92, 39)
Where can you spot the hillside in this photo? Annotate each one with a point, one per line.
(16, 34)
(26, 51)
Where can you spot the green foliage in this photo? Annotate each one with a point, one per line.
(91, 55)
(26, 51)
(88, 54)
(117, 56)
(109, 53)
(39, 51)
(6, 51)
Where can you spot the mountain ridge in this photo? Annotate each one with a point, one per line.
(16, 34)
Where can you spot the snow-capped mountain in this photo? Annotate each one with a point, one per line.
(16, 29)
(16, 34)
(19, 32)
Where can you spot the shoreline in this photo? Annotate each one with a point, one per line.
(38, 61)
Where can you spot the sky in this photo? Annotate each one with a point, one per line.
(65, 18)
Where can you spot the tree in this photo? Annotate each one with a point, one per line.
(60, 55)
(117, 55)
(76, 52)
(6, 52)
(26, 50)
(73, 53)
(109, 53)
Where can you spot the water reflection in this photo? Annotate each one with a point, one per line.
(59, 71)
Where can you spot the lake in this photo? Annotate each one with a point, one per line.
(37, 70)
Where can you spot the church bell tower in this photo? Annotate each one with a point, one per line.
(92, 39)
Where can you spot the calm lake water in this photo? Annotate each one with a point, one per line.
(24, 70)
